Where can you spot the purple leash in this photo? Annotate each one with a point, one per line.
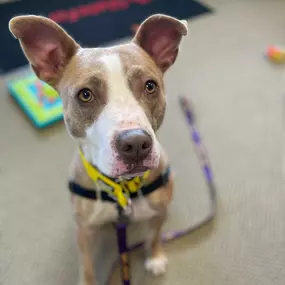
(121, 229)
(123, 253)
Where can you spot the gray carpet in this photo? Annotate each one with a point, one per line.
(238, 100)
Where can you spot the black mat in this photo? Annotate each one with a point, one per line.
(91, 23)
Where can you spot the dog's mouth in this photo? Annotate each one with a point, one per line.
(135, 171)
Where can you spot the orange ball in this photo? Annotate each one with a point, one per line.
(272, 50)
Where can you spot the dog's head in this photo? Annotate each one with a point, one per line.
(113, 98)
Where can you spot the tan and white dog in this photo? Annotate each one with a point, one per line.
(113, 104)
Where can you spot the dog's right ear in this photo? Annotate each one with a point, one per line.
(46, 45)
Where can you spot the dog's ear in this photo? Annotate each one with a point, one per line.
(160, 36)
(46, 45)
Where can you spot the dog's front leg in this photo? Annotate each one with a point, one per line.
(86, 240)
(156, 261)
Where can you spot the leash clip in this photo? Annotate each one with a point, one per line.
(128, 209)
(125, 212)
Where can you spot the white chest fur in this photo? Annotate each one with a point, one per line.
(95, 213)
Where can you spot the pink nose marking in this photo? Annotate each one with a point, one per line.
(126, 125)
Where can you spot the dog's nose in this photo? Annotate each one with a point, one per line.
(134, 145)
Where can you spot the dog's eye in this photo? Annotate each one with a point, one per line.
(150, 86)
(85, 95)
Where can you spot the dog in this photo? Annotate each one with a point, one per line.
(113, 104)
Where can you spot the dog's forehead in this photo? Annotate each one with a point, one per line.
(129, 54)
(133, 57)
(92, 62)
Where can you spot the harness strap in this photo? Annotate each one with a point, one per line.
(145, 190)
(117, 188)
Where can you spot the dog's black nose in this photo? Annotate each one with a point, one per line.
(133, 145)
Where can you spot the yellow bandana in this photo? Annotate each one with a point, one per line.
(120, 190)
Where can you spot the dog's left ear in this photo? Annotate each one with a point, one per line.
(160, 36)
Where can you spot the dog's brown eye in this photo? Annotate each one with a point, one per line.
(150, 86)
(85, 95)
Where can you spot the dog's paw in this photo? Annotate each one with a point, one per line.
(157, 266)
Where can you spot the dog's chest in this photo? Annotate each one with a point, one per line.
(94, 213)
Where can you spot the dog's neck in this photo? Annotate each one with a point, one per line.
(87, 151)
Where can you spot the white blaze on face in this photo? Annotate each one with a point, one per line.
(121, 112)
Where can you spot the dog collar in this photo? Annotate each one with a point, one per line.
(119, 189)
